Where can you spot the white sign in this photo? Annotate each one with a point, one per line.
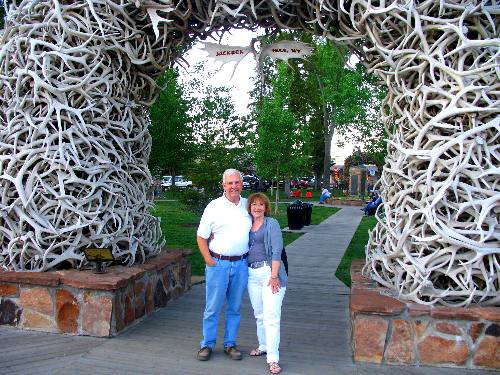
(281, 50)
(227, 54)
(284, 50)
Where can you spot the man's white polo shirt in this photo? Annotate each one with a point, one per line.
(230, 225)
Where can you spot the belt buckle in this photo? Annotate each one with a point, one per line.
(258, 264)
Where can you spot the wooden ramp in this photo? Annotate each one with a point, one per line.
(314, 335)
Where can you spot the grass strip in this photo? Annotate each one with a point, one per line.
(356, 249)
(175, 193)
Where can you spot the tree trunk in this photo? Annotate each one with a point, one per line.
(329, 130)
(286, 186)
(277, 200)
(329, 126)
(317, 176)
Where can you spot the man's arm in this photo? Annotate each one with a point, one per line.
(203, 246)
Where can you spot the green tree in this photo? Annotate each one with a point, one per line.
(349, 97)
(306, 103)
(221, 135)
(328, 96)
(280, 150)
(173, 144)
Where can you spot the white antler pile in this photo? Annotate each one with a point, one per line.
(76, 79)
(438, 240)
(73, 137)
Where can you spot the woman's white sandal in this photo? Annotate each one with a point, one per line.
(274, 368)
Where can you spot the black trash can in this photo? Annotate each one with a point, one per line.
(307, 207)
(295, 215)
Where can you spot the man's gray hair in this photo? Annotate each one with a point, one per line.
(230, 172)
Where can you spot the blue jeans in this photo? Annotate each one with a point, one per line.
(323, 197)
(225, 280)
(369, 207)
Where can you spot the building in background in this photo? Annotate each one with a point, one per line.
(362, 179)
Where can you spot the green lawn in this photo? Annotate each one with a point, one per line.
(356, 249)
(319, 213)
(174, 194)
(179, 227)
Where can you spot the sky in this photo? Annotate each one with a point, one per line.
(242, 81)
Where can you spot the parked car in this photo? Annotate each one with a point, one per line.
(302, 182)
(267, 184)
(180, 181)
(299, 183)
(307, 182)
(246, 182)
(166, 182)
(280, 184)
(253, 183)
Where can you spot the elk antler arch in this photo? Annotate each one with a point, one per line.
(77, 78)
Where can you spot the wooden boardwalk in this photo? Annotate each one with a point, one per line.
(314, 337)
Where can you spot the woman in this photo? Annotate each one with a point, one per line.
(266, 278)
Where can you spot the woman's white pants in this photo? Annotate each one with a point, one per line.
(267, 311)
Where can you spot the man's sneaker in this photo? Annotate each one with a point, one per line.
(233, 352)
(204, 354)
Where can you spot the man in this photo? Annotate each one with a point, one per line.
(325, 194)
(226, 223)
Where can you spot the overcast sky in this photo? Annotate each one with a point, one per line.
(242, 81)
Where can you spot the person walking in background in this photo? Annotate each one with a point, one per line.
(227, 223)
(324, 195)
(267, 278)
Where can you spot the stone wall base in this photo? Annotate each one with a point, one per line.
(79, 302)
(392, 331)
(345, 202)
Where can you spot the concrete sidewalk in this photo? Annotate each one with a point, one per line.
(314, 335)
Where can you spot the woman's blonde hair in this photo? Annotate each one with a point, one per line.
(260, 197)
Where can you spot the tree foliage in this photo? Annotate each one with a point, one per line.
(281, 145)
(349, 96)
(219, 132)
(297, 109)
(328, 96)
(173, 145)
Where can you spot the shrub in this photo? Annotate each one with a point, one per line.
(195, 201)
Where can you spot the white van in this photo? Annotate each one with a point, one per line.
(166, 182)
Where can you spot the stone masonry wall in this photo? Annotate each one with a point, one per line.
(345, 202)
(391, 331)
(83, 303)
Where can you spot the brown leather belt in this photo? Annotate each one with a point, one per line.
(226, 257)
